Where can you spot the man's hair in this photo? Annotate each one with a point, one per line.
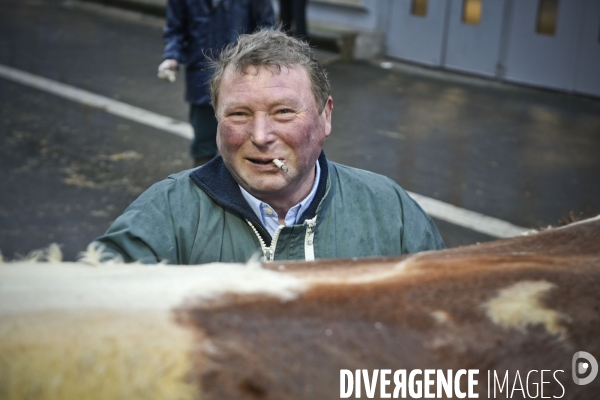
(270, 48)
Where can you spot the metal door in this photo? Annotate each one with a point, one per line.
(587, 73)
(416, 31)
(537, 54)
(475, 36)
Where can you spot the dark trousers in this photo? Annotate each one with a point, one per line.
(293, 10)
(204, 122)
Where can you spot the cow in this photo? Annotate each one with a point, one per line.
(514, 318)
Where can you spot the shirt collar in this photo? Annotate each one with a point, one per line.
(267, 215)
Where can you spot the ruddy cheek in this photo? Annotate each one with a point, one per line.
(231, 136)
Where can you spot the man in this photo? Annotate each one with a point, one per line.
(273, 105)
(195, 29)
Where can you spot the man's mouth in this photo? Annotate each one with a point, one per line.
(260, 161)
(269, 161)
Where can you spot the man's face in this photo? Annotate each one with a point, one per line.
(265, 114)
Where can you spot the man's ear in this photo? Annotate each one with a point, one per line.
(327, 110)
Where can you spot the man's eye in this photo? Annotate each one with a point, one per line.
(284, 111)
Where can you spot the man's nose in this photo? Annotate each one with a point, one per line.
(262, 133)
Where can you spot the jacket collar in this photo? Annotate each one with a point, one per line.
(215, 179)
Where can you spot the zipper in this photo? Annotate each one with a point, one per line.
(268, 251)
(309, 248)
(225, 207)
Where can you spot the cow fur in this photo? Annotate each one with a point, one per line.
(517, 304)
(284, 330)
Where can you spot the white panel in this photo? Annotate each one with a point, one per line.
(361, 17)
(347, 3)
(587, 74)
(543, 60)
(475, 48)
(416, 38)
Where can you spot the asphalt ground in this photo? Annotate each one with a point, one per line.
(522, 155)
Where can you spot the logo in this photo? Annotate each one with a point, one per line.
(581, 368)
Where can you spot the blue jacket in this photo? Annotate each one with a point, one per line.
(194, 28)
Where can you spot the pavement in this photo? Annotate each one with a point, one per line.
(521, 155)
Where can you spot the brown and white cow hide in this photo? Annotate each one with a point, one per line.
(285, 330)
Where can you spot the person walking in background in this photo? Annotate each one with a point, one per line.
(293, 10)
(194, 31)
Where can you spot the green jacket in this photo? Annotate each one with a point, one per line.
(201, 217)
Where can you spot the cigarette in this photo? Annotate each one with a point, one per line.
(280, 165)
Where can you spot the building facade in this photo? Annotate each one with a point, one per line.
(545, 43)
